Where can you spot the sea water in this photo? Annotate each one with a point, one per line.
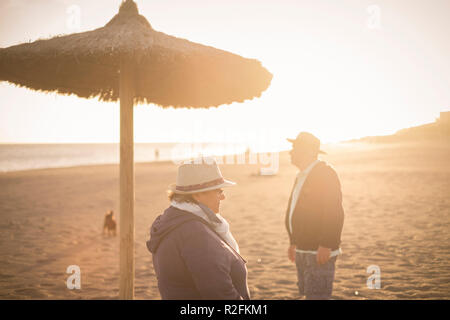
(17, 157)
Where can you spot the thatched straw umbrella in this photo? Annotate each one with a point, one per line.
(127, 60)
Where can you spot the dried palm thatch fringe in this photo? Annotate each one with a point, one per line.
(169, 71)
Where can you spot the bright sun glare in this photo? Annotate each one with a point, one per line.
(333, 75)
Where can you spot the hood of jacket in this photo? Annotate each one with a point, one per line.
(166, 223)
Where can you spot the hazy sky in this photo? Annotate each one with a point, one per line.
(342, 69)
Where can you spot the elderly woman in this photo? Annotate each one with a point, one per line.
(194, 253)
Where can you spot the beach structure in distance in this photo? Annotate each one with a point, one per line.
(128, 61)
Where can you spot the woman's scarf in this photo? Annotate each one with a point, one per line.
(216, 221)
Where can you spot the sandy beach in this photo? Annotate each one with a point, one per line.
(397, 217)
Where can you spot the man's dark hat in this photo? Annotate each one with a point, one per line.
(308, 141)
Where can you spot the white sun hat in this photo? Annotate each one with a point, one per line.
(199, 175)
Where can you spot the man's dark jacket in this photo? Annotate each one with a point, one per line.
(318, 216)
(192, 262)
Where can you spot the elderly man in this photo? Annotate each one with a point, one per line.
(314, 219)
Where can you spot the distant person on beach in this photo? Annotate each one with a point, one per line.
(314, 219)
(195, 256)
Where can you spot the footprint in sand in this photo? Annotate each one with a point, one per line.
(31, 292)
(284, 282)
(47, 285)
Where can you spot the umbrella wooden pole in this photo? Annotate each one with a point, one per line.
(126, 290)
